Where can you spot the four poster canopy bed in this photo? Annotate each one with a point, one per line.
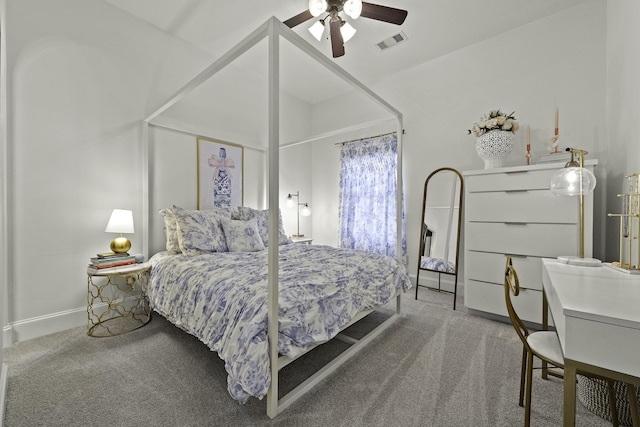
(232, 278)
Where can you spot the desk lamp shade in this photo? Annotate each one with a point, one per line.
(573, 181)
(305, 210)
(121, 221)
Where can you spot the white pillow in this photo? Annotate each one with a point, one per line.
(242, 236)
(171, 231)
(200, 231)
(262, 216)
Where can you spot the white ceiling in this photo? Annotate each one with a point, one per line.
(433, 28)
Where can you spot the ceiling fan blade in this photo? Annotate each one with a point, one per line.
(383, 13)
(298, 19)
(337, 42)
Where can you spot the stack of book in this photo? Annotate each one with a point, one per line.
(103, 261)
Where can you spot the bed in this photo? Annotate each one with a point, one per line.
(273, 258)
(212, 282)
(221, 298)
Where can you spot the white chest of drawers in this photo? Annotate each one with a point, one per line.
(511, 211)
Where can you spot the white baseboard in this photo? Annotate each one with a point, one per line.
(4, 378)
(44, 325)
(50, 323)
(6, 336)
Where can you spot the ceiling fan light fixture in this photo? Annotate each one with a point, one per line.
(317, 30)
(316, 7)
(347, 31)
(353, 8)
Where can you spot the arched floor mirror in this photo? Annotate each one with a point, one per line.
(440, 232)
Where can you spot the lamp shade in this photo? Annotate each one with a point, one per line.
(305, 210)
(121, 221)
(347, 31)
(317, 30)
(316, 7)
(573, 181)
(353, 8)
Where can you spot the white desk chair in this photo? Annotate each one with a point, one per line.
(545, 345)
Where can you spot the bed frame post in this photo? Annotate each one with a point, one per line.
(273, 195)
(145, 189)
(400, 256)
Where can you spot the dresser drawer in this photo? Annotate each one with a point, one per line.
(542, 240)
(522, 206)
(509, 181)
(489, 267)
(489, 297)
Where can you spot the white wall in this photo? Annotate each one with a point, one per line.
(623, 106)
(557, 61)
(82, 74)
(295, 168)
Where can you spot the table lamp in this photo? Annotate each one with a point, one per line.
(121, 221)
(305, 211)
(575, 180)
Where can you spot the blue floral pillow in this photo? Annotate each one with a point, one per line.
(262, 216)
(242, 236)
(200, 231)
(171, 231)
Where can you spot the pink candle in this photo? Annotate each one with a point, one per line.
(556, 128)
(528, 137)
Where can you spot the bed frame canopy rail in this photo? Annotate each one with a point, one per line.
(273, 29)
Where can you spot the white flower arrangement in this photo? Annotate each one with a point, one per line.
(495, 120)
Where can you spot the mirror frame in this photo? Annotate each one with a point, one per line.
(457, 250)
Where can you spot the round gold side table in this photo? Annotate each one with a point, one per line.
(116, 300)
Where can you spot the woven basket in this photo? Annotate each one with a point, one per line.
(594, 395)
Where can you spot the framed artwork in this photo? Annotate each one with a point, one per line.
(220, 173)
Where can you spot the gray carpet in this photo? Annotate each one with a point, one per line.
(432, 367)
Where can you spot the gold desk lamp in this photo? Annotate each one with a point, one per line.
(575, 180)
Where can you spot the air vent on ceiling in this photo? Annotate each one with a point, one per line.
(392, 41)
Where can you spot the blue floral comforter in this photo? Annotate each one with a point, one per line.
(221, 299)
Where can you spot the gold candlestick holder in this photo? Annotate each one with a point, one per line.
(629, 227)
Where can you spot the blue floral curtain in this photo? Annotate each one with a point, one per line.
(368, 186)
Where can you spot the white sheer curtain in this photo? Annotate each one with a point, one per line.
(368, 186)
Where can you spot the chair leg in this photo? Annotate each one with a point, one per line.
(523, 368)
(633, 404)
(612, 403)
(527, 404)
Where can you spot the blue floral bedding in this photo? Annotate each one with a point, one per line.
(221, 298)
(437, 264)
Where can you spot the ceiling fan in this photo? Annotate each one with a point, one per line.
(340, 31)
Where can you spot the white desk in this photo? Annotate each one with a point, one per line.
(596, 311)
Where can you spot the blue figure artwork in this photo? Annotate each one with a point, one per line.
(221, 178)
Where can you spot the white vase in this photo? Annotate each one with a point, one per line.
(493, 147)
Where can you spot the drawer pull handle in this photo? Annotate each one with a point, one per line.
(515, 256)
(512, 172)
(516, 223)
(516, 191)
